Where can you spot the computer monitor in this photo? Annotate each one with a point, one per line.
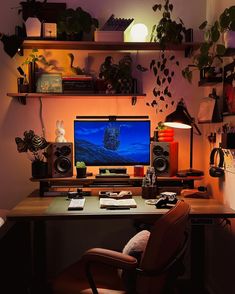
(112, 143)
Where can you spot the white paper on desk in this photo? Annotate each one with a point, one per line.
(107, 202)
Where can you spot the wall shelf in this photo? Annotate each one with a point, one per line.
(23, 96)
(82, 45)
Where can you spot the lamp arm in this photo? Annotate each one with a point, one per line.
(192, 121)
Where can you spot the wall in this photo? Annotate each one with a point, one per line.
(16, 118)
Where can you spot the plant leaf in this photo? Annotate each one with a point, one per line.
(155, 71)
(166, 72)
(152, 63)
(203, 25)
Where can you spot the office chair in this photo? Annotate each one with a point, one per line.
(97, 270)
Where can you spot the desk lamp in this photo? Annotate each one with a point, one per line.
(11, 44)
(180, 118)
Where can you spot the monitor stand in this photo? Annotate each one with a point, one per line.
(113, 172)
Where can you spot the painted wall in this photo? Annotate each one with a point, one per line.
(16, 118)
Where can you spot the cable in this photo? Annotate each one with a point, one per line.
(41, 117)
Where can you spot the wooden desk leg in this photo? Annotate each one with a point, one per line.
(38, 257)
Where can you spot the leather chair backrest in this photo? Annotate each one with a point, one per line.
(167, 236)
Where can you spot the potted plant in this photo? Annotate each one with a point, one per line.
(73, 23)
(227, 26)
(117, 77)
(81, 169)
(167, 31)
(35, 146)
(31, 8)
(209, 56)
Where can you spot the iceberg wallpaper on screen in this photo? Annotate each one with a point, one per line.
(112, 143)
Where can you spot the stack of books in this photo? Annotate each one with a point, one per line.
(78, 84)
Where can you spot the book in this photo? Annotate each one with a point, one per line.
(110, 202)
(76, 204)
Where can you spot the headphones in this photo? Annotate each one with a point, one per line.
(216, 171)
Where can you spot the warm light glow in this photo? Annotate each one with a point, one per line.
(177, 125)
(139, 32)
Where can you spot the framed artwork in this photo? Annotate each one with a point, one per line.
(229, 88)
(49, 83)
(206, 109)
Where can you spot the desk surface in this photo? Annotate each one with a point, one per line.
(36, 208)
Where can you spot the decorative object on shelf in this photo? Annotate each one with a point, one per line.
(209, 75)
(60, 132)
(74, 23)
(49, 83)
(212, 50)
(116, 24)
(49, 30)
(139, 32)
(118, 77)
(229, 88)
(78, 84)
(35, 146)
(33, 27)
(113, 30)
(81, 169)
(75, 69)
(167, 30)
(181, 119)
(209, 110)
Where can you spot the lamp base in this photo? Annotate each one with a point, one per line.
(190, 173)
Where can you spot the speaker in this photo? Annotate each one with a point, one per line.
(164, 158)
(60, 160)
(216, 171)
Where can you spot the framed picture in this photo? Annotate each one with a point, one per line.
(229, 88)
(49, 83)
(206, 109)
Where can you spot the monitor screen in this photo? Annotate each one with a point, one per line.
(112, 143)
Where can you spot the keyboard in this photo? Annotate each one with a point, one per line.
(112, 175)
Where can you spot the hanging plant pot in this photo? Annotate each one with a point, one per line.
(39, 169)
(33, 27)
(229, 39)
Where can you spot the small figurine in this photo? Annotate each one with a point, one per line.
(60, 132)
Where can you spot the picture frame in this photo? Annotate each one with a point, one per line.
(49, 83)
(206, 109)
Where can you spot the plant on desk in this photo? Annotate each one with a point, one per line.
(81, 169)
(35, 146)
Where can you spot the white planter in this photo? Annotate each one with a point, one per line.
(33, 27)
(229, 39)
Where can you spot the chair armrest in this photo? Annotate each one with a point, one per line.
(110, 257)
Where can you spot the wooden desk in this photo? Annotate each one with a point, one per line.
(35, 210)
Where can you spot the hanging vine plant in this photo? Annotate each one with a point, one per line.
(163, 69)
(167, 31)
